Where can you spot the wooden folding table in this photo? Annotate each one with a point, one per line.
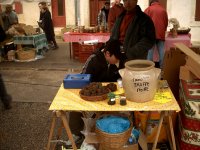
(69, 100)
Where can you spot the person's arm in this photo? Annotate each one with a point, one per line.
(166, 19)
(16, 18)
(146, 40)
(113, 73)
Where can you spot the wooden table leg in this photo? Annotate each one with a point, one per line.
(168, 134)
(59, 133)
(171, 131)
(51, 130)
(146, 123)
(158, 131)
(66, 125)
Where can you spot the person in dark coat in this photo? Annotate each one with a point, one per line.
(103, 15)
(4, 96)
(46, 24)
(101, 64)
(9, 17)
(135, 30)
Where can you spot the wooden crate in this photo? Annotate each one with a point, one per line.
(75, 48)
(84, 56)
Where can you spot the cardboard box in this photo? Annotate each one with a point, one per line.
(192, 60)
(173, 59)
(186, 74)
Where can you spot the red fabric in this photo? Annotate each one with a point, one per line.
(124, 25)
(187, 86)
(185, 146)
(81, 37)
(114, 12)
(188, 123)
(160, 19)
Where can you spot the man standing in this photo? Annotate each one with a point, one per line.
(103, 15)
(136, 32)
(115, 11)
(46, 24)
(160, 19)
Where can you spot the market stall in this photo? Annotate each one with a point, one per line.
(39, 41)
(75, 39)
(70, 100)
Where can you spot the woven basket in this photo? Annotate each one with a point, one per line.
(113, 141)
(26, 55)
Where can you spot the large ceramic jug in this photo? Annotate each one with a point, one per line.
(140, 79)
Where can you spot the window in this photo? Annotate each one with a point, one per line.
(18, 8)
(197, 11)
(60, 8)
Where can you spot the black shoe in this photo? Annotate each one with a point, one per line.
(55, 48)
(7, 102)
(8, 106)
(77, 139)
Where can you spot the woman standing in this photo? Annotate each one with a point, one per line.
(46, 24)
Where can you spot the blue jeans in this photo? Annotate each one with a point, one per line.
(161, 51)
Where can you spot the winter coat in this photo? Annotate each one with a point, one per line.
(100, 70)
(160, 19)
(139, 37)
(9, 19)
(47, 25)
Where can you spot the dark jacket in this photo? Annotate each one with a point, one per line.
(101, 71)
(2, 34)
(140, 35)
(47, 25)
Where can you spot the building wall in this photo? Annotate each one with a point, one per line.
(70, 12)
(184, 11)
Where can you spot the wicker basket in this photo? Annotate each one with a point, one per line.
(113, 141)
(26, 54)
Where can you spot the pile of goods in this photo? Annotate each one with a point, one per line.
(96, 91)
(21, 29)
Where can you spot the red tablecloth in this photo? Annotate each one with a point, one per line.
(80, 37)
(104, 37)
(169, 42)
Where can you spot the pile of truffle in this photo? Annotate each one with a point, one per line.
(112, 87)
(97, 89)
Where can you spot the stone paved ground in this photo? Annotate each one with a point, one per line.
(33, 86)
(25, 126)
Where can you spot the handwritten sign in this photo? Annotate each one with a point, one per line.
(141, 83)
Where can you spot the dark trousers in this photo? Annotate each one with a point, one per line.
(5, 98)
(76, 123)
